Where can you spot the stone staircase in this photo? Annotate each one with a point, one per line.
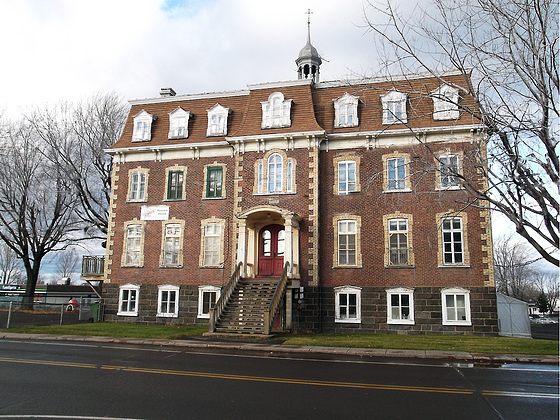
(244, 311)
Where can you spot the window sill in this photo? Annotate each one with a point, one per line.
(346, 125)
(457, 323)
(213, 198)
(275, 193)
(136, 201)
(178, 137)
(400, 266)
(167, 315)
(348, 193)
(397, 191)
(203, 316)
(137, 140)
(167, 200)
(454, 266)
(347, 266)
(400, 322)
(131, 266)
(348, 321)
(170, 266)
(211, 266)
(453, 188)
(127, 313)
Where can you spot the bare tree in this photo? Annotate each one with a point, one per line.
(78, 136)
(66, 263)
(10, 265)
(512, 269)
(37, 202)
(509, 49)
(549, 285)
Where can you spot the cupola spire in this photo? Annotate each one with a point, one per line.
(308, 61)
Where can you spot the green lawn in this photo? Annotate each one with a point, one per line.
(502, 345)
(116, 330)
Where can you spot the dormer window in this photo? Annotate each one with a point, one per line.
(276, 111)
(394, 107)
(217, 121)
(142, 126)
(446, 103)
(346, 111)
(179, 124)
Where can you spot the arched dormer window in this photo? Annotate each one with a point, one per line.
(142, 126)
(394, 107)
(179, 124)
(276, 111)
(217, 121)
(346, 111)
(446, 103)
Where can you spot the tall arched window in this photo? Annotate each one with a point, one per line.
(275, 170)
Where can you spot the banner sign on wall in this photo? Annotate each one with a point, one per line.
(154, 213)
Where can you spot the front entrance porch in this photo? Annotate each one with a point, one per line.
(268, 238)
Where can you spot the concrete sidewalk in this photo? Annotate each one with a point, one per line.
(241, 347)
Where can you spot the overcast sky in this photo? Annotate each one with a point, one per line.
(70, 49)
(56, 50)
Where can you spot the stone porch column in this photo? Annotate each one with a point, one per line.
(289, 244)
(242, 246)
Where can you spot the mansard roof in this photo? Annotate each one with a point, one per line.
(312, 109)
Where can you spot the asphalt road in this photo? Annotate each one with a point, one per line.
(135, 382)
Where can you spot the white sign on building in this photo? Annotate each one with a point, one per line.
(154, 213)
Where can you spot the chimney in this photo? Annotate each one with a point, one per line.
(167, 92)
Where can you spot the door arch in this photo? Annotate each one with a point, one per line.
(271, 250)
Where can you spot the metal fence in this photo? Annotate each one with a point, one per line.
(14, 315)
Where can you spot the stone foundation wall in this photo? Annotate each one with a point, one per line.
(317, 311)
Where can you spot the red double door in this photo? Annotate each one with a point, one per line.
(271, 250)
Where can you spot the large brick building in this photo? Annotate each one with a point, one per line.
(354, 188)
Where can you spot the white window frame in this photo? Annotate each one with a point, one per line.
(142, 128)
(172, 231)
(276, 175)
(344, 171)
(131, 290)
(447, 180)
(217, 121)
(209, 237)
(138, 186)
(201, 291)
(137, 241)
(453, 293)
(168, 289)
(452, 230)
(276, 111)
(290, 176)
(400, 291)
(397, 180)
(398, 223)
(343, 230)
(346, 111)
(179, 124)
(446, 103)
(348, 290)
(394, 107)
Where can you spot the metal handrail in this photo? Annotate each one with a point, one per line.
(270, 313)
(217, 309)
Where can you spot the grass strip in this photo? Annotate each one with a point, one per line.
(472, 344)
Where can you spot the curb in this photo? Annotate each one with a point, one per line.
(281, 349)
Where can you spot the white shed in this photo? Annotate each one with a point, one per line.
(513, 317)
